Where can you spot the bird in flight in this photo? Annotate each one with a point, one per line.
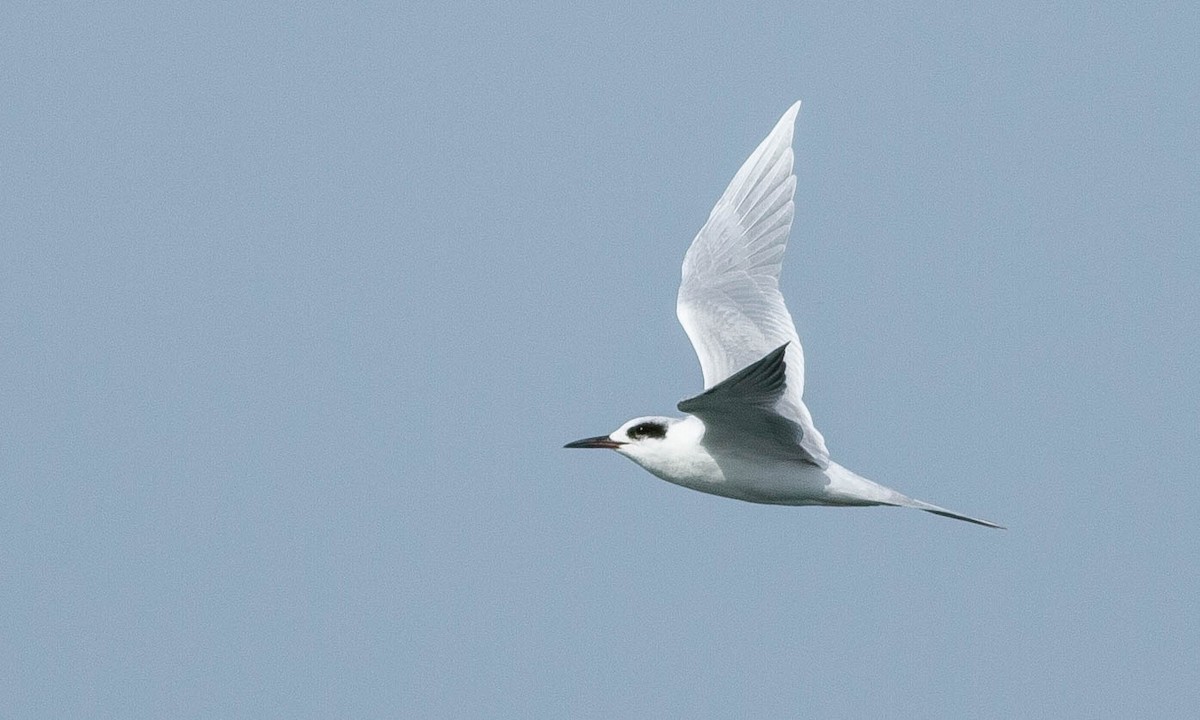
(748, 435)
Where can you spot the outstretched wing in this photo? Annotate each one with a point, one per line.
(729, 301)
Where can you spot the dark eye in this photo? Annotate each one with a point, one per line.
(647, 430)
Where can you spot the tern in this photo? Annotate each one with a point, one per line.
(749, 435)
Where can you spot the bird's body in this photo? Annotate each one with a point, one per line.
(749, 435)
(684, 460)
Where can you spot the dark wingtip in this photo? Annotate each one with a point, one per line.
(765, 377)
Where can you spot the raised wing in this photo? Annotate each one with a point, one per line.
(729, 302)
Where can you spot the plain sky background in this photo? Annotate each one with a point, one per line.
(300, 302)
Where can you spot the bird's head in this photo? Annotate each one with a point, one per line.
(651, 442)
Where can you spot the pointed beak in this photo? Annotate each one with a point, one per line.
(600, 441)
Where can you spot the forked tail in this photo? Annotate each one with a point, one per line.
(927, 507)
(850, 488)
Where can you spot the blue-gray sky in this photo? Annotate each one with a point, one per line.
(299, 304)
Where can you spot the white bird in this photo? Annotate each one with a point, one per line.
(748, 435)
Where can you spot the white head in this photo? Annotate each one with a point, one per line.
(665, 446)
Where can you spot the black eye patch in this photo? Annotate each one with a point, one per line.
(647, 430)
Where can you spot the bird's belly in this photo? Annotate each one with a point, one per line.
(778, 483)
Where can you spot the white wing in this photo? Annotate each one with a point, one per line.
(729, 302)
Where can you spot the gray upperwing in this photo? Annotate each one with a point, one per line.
(739, 412)
(758, 384)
